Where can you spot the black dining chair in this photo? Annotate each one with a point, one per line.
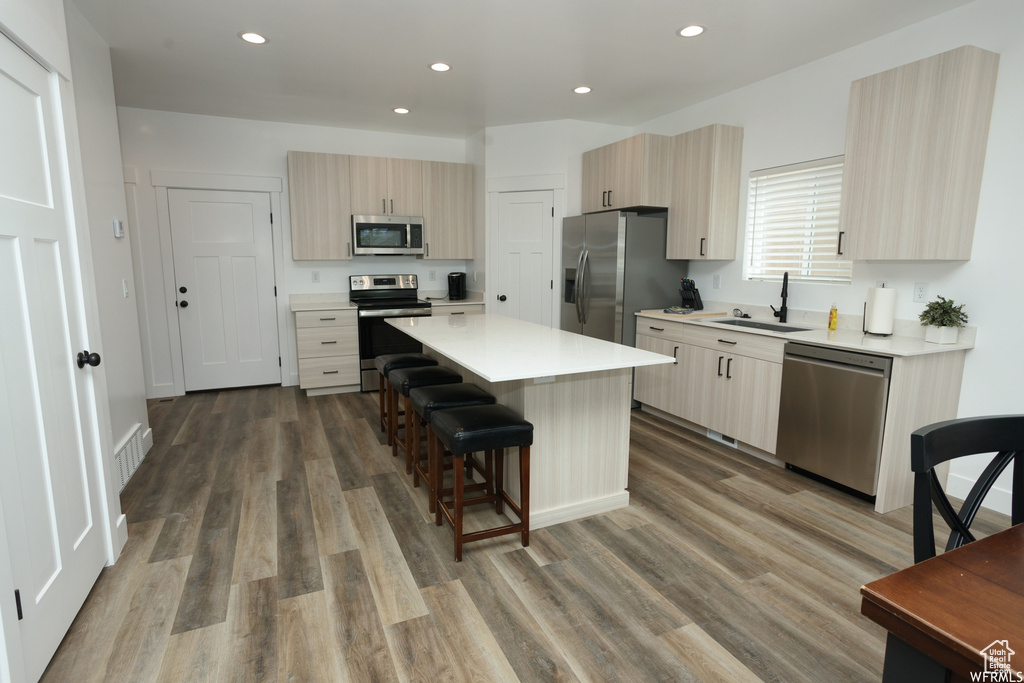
(945, 441)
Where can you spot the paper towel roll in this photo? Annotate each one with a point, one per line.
(880, 311)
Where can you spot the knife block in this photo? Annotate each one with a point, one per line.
(691, 299)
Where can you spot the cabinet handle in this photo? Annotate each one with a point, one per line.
(326, 319)
(604, 198)
(839, 243)
(720, 365)
(656, 329)
(728, 369)
(702, 245)
(726, 341)
(348, 250)
(610, 198)
(392, 206)
(383, 205)
(459, 313)
(675, 350)
(330, 342)
(426, 253)
(330, 372)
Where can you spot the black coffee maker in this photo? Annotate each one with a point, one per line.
(456, 286)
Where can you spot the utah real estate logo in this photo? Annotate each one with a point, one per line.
(997, 664)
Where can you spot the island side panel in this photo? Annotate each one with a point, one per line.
(579, 461)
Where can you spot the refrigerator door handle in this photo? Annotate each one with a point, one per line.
(577, 292)
(586, 285)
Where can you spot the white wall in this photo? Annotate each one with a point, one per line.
(153, 140)
(801, 115)
(105, 199)
(38, 25)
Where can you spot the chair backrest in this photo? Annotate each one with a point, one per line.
(944, 441)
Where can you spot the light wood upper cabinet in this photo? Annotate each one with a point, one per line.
(706, 188)
(448, 210)
(382, 186)
(318, 197)
(915, 148)
(632, 172)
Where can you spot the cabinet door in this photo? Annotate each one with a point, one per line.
(749, 409)
(658, 385)
(700, 384)
(594, 185)
(318, 197)
(625, 172)
(707, 185)
(368, 180)
(405, 187)
(915, 148)
(448, 210)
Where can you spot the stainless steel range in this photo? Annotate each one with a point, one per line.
(377, 298)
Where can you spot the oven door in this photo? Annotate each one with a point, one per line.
(376, 338)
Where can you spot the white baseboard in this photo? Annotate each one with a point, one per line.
(588, 508)
(147, 440)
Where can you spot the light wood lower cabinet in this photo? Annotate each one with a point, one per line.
(328, 350)
(726, 381)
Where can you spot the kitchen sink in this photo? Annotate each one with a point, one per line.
(758, 325)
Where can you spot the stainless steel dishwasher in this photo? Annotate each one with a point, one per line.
(832, 413)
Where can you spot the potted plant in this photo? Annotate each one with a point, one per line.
(941, 319)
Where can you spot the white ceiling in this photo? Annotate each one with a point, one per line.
(348, 63)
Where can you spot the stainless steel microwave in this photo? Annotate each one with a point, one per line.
(387, 234)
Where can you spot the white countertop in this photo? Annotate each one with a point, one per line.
(499, 349)
(854, 340)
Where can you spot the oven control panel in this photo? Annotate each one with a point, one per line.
(371, 282)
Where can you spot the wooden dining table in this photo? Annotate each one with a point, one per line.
(955, 614)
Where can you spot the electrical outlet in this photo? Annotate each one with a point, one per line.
(882, 283)
(716, 282)
(921, 292)
(316, 276)
(432, 275)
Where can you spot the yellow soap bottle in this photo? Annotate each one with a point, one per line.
(833, 318)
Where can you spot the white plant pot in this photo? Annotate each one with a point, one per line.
(940, 335)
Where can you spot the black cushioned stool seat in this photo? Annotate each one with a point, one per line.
(425, 402)
(491, 429)
(385, 364)
(404, 380)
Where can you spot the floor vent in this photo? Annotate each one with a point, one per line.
(128, 458)
(722, 438)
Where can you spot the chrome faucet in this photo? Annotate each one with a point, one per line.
(781, 313)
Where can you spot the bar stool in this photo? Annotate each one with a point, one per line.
(385, 364)
(491, 429)
(402, 381)
(425, 401)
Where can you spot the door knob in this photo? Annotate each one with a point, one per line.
(183, 304)
(501, 297)
(84, 357)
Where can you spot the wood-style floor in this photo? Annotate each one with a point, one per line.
(272, 537)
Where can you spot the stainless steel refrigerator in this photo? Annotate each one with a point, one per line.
(613, 264)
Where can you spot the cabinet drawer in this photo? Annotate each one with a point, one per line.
(465, 309)
(738, 343)
(660, 329)
(325, 318)
(319, 342)
(334, 371)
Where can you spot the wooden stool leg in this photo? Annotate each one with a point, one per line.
(499, 480)
(439, 464)
(393, 420)
(524, 491)
(415, 438)
(381, 397)
(431, 472)
(408, 441)
(459, 470)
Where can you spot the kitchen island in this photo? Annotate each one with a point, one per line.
(575, 390)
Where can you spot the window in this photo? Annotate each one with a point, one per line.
(793, 223)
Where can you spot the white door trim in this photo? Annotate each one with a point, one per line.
(163, 181)
(495, 186)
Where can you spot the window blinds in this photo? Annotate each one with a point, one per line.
(793, 223)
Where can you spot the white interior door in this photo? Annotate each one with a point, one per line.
(224, 280)
(525, 255)
(49, 479)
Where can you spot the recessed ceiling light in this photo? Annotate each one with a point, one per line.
(582, 90)
(440, 66)
(254, 38)
(691, 31)
(401, 110)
